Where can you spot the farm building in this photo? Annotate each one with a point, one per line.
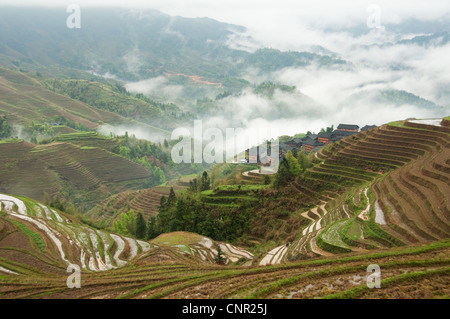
(310, 143)
(295, 142)
(325, 137)
(368, 127)
(347, 127)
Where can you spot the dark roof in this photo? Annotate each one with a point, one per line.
(309, 137)
(297, 140)
(347, 127)
(312, 142)
(368, 127)
(325, 134)
(336, 138)
(339, 133)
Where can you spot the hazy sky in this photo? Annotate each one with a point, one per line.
(272, 13)
(298, 25)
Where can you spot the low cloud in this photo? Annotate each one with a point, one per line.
(139, 131)
(157, 86)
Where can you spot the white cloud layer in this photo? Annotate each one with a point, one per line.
(301, 25)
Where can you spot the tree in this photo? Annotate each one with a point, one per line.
(172, 197)
(159, 175)
(205, 182)
(292, 164)
(219, 259)
(5, 128)
(282, 176)
(303, 161)
(162, 201)
(152, 231)
(141, 228)
(126, 225)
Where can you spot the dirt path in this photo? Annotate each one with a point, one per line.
(255, 171)
(305, 214)
(364, 215)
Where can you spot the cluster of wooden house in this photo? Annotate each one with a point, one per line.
(309, 143)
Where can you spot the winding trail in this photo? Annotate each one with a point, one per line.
(364, 215)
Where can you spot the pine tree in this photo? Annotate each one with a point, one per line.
(219, 258)
(141, 227)
(151, 228)
(303, 161)
(172, 197)
(205, 182)
(292, 164)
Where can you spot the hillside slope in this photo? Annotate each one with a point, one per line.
(87, 174)
(24, 100)
(36, 239)
(377, 189)
(29, 98)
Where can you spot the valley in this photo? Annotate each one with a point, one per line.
(102, 197)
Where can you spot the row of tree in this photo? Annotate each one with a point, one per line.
(185, 213)
(291, 167)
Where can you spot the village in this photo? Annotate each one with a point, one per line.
(309, 143)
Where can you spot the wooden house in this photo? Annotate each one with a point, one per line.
(348, 127)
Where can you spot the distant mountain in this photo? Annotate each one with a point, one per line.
(436, 39)
(390, 96)
(134, 45)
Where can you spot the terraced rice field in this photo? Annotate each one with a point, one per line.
(57, 237)
(30, 231)
(414, 272)
(32, 170)
(389, 186)
(385, 205)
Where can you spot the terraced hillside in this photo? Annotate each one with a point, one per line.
(24, 99)
(414, 272)
(381, 188)
(36, 239)
(378, 197)
(89, 173)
